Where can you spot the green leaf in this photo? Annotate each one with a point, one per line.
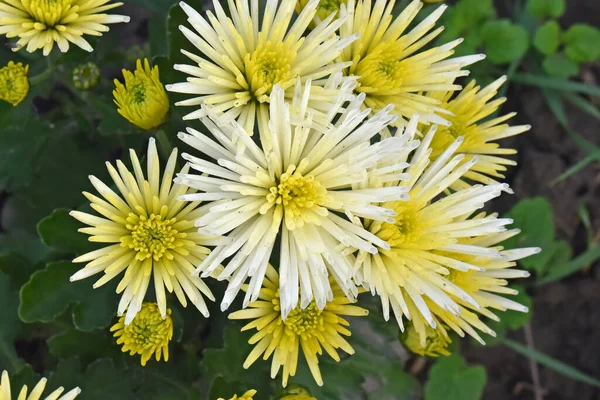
(551, 363)
(18, 268)
(504, 41)
(59, 232)
(112, 123)
(583, 104)
(465, 15)
(581, 43)
(546, 8)
(10, 326)
(88, 346)
(547, 38)
(49, 293)
(451, 379)
(560, 66)
(559, 271)
(535, 219)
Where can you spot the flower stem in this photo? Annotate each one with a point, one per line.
(164, 144)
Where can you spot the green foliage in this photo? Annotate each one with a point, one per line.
(451, 379)
(504, 41)
(560, 66)
(59, 232)
(546, 8)
(581, 43)
(547, 38)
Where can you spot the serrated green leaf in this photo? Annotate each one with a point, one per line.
(88, 346)
(465, 15)
(547, 38)
(504, 41)
(581, 43)
(451, 379)
(17, 268)
(19, 149)
(560, 66)
(104, 380)
(49, 293)
(220, 388)
(546, 8)
(59, 232)
(535, 219)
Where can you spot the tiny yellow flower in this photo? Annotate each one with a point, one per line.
(36, 393)
(249, 395)
(148, 334)
(142, 100)
(40, 23)
(14, 84)
(306, 328)
(435, 344)
(86, 76)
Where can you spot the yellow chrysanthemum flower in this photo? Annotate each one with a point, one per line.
(150, 234)
(243, 59)
(309, 328)
(390, 66)
(324, 9)
(147, 335)
(469, 109)
(14, 84)
(36, 393)
(40, 23)
(436, 342)
(249, 395)
(142, 100)
(431, 239)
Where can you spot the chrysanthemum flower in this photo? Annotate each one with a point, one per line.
(389, 62)
(14, 84)
(36, 393)
(469, 109)
(308, 328)
(150, 234)
(243, 59)
(142, 100)
(295, 186)
(40, 23)
(431, 239)
(148, 334)
(249, 395)
(436, 342)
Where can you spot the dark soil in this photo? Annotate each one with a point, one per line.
(565, 315)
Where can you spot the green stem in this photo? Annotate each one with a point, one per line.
(36, 80)
(164, 144)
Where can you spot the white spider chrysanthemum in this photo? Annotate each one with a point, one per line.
(295, 186)
(246, 54)
(149, 235)
(431, 238)
(391, 64)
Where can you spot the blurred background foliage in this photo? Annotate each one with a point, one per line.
(60, 134)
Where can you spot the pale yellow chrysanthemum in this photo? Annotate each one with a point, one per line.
(40, 23)
(249, 395)
(432, 238)
(150, 234)
(246, 53)
(142, 100)
(14, 84)
(147, 335)
(469, 108)
(391, 64)
(36, 393)
(310, 329)
(436, 342)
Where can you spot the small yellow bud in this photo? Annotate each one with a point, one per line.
(246, 396)
(147, 335)
(86, 76)
(296, 392)
(14, 84)
(435, 343)
(324, 9)
(142, 100)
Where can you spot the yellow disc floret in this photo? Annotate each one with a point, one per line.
(14, 84)
(148, 334)
(142, 100)
(269, 64)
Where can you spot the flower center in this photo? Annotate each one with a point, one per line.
(151, 236)
(380, 70)
(405, 231)
(306, 321)
(138, 92)
(298, 194)
(148, 329)
(269, 64)
(48, 12)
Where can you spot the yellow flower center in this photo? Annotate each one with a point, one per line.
(379, 71)
(49, 13)
(406, 230)
(269, 64)
(151, 236)
(298, 194)
(304, 322)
